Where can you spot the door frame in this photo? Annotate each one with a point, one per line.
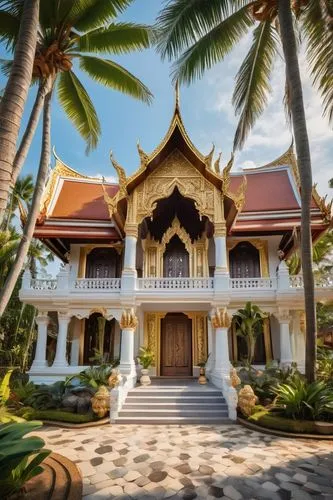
(152, 335)
(190, 335)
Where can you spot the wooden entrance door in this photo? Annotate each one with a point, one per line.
(176, 345)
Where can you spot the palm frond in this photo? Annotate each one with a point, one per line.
(77, 105)
(9, 28)
(89, 14)
(111, 74)
(213, 46)
(319, 41)
(252, 80)
(118, 38)
(182, 22)
(6, 66)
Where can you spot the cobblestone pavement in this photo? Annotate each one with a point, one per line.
(192, 461)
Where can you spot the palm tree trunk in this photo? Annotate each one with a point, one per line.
(29, 342)
(30, 130)
(34, 210)
(304, 165)
(15, 95)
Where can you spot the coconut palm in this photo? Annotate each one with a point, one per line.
(70, 31)
(71, 34)
(198, 34)
(15, 94)
(21, 195)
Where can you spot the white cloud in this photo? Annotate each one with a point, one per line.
(271, 135)
(108, 178)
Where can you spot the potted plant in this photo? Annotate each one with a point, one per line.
(202, 377)
(145, 359)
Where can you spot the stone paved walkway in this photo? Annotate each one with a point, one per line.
(191, 461)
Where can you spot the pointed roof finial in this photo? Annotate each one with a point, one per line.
(177, 101)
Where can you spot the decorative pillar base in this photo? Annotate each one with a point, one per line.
(37, 366)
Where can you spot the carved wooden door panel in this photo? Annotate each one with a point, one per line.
(176, 346)
(176, 260)
(103, 263)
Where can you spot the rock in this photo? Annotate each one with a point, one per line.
(83, 404)
(70, 401)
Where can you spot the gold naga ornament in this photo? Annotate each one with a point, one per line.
(234, 378)
(115, 378)
(128, 319)
(220, 318)
(247, 400)
(100, 403)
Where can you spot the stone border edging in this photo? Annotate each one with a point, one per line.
(69, 425)
(276, 432)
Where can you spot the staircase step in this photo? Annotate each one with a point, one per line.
(171, 392)
(174, 420)
(174, 399)
(171, 404)
(171, 413)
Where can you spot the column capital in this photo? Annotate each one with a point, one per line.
(42, 318)
(220, 229)
(220, 318)
(282, 316)
(131, 229)
(64, 316)
(128, 319)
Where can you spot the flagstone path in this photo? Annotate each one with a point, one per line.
(192, 461)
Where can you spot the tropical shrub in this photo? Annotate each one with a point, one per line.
(21, 391)
(247, 323)
(301, 400)
(20, 458)
(146, 357)
(5, 414)
(325, 364)
(47, 396)
(94, 376)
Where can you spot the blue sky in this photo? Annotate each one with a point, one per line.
(207, 113)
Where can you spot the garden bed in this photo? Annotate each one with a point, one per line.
(280, 426)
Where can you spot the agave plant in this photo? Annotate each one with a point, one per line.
(20, 458)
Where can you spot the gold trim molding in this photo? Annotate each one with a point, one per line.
(260, 245)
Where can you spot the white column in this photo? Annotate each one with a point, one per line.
(75, 345)
(221, 274)
(40, 361)
(60, 359)
(221, 323)
(285, 341)
(210, 365)
(128, 324)
(130, 253)
(283, 276)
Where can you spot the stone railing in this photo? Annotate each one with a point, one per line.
(43, 284)
(251, 283)
(325, 281)
(97, 284)
(175, 283)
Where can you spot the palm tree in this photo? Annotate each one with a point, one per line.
(247, 323)
(75, 34)
(21, 195)
(199, 34)
(9, 241)
(14, 97)
(68, 34)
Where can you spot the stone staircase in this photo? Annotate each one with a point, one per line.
(174, 402)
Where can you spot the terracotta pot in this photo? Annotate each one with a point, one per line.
(324, 427)
(202, 378)
(145, 379)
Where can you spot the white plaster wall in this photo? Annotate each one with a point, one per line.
(74, 261)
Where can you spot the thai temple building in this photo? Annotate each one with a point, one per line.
(167, 256)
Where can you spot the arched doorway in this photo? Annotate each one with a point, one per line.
(176, 345)
(176, 259)
(244, 261)
(103, 263)
(99, 340)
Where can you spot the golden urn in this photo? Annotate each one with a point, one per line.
(100, 403)
(202, 377)
(246, 400)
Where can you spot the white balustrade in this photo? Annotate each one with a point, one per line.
(97, 284)
(251, 283)
(324, 281)
(296, 281)
(43, 284)
(175, 283)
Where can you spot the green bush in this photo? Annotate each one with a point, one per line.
(58, 416)
(6, 415)
(94, 376)
(47, 396)
(20, 458)
(22, 391)
(301, 400)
